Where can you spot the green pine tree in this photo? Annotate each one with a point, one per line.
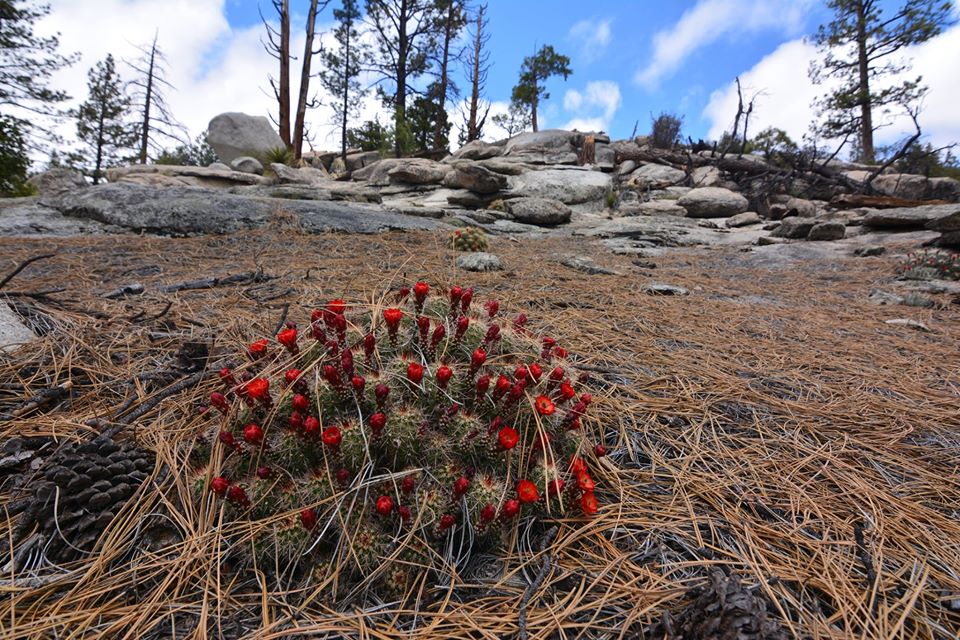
(858, 44)
(534, 72)
(102, 124)
(342, 66)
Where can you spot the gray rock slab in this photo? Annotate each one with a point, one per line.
(569, 186)
(190, 211)
(479, 261)
(912, 217)
(237, 134)
(13, 333)
(712, 202)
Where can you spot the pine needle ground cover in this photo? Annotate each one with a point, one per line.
(779, 461)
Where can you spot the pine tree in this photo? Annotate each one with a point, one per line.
(452, 20)
(534, 72)
(406, 33)
(478, 65)
(515, 121)
(101, 120)
(342, 67)
(858, 44)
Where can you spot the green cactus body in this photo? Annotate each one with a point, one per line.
(469, 239)
(450, 416)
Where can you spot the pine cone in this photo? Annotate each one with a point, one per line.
(79, 491)
(725, 609)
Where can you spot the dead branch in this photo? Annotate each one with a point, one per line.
(23, 265)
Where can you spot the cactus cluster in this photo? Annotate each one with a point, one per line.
(376, 434)
(931, 264)
(469, 239)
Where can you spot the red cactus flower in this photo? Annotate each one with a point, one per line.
(573, 423)
(227, 377)
(369, 346)
(264, 472)
(377, 422)
(423, 328)
(295, 420)
(346, 361)
(288, 338)
(466, 299)
(227, 438)
(463, 323)
(566, 392)
(599, 451)
(520, 321)
(493, 333)
(456, 292)
(308, 518)
(259, 348)
(510, 508)
(408, 484)
(548, 342)
(483, 383)
(317, 331)
(415, 372)
(460, 486)
(544, 406)
(447, 521)
(291, 375)
(516, 392)
(557, 374)
(527, 492)
(253, 434)
(588, 503)
(586, 399)
(560, 352)
(342, 475)
(488, 513)
(331, 375)
(219, 485)
(258, 389)
(555, 487)
(402, 294)
(443, 375)
(503, 385)
(384, 505)
(315, 315)
(438, 335)
(508, 438)
(420, 291)
(381, 391)
(477, 359)
(577, 466)
(392, 317)
(300, 403)
(358, 383)
(404, 513)
(337, 307)
(332, 437)
(585, 482)
(219, 400)
(492, 306)
(311, 426)
(536, 372)
(521, 373)
(237, 495)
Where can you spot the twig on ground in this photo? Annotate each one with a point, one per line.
(23, 265)
(533, 586)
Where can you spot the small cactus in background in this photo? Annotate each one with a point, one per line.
(931, 264)
(469, 239)
(373, 434)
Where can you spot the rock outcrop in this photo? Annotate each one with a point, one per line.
(233, 135)
(713, 202)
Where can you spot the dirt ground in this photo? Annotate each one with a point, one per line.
(770, 424)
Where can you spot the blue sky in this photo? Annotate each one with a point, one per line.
(629, 59)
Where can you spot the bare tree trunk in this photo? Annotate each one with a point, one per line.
(346, 96)
(533, 105)
(472, 129)
(866, 116)
(304, 82)
(283, 97)
(100, 143)
(447, 35)
(400, 97)
(145, 132)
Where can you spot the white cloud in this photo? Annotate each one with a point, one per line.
(787, 93)
(593, 37)
(592, 108)
(572, 100)
(711, 20)
(215, 68)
